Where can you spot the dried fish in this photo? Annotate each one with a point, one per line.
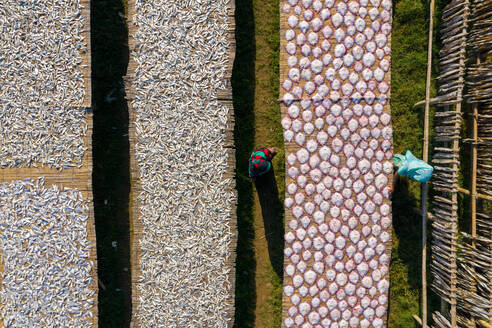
(337, 178)
(47, 274)
(42, 91)
(181, 55)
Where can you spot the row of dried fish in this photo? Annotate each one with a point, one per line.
(452, 55)
(338, 140)
(41, 69)
(46, 271)
(481, 32)
(181, 56)
(474, 274)
(480, 82)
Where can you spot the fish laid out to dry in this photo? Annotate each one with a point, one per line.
(48, 268)
(42, 119)
(335, 88)
(45, 256)
(183, 194)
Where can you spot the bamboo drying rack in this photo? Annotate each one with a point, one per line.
(461, 261)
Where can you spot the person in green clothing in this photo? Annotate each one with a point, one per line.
(260, 161)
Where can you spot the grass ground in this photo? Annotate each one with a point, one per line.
(409, 64)
(255, 90)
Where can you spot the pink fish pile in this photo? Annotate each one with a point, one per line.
(335, 71)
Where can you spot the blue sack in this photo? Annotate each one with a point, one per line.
(414, 168)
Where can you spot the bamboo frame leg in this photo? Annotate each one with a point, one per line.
(443, 302)
(425, 157)
(473, 186)
(424, 254)
(473, 176)
(454, 198)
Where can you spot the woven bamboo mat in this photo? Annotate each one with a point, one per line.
(74, 178)
(136, 218)
(338, 163)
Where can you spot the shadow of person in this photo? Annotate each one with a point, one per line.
(272, 212)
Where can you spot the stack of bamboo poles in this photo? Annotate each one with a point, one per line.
(448, 118)
(453, 36)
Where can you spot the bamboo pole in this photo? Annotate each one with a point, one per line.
(473, 186)
(417, 319)
(443, 302)
(485, 324)
(425, 157)
(477, 195)
(454, 199)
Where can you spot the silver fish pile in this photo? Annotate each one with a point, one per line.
(42, 89)
(46, 274)
(185, 202)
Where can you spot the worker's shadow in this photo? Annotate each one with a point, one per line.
(272, 212)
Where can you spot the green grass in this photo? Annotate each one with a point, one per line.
(249, 27)
(276, 138)
(408, 70)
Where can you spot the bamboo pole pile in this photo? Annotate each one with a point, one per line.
(444, 235)
(484, 165)
(479, 85)
(481, 33)
(480, 95)
(453, 36)
(440, 320)
(448, 118)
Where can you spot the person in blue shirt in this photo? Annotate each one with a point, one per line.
(412, 167)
